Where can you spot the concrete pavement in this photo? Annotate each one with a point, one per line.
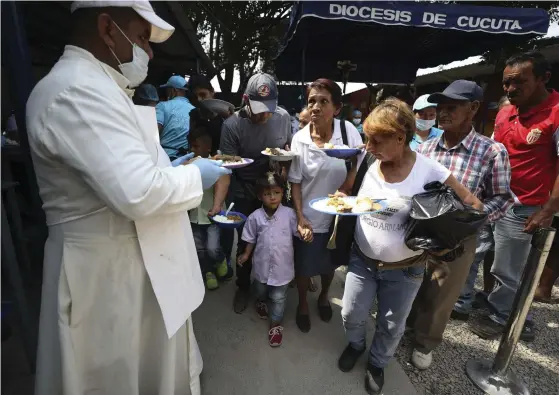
(238, 359)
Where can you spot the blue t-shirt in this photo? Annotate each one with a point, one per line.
(416, 140)
(174, 115)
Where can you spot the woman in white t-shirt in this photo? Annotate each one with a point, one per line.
(381, 265)
(313, 174)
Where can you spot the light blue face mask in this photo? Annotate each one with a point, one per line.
(424, 124)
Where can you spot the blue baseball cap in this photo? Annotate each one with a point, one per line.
(176, 82)
(422, 103)
(147, 92)
(460, 90)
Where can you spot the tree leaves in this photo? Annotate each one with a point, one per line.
(244, 34)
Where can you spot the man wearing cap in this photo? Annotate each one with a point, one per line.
(529, 129)
(260, 124)
(480, 164)
(173, 117)
(121, 277)
(146, 95)
(425, 119)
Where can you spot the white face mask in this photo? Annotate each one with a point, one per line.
(424, 124)
(135, 71)
(356, 121)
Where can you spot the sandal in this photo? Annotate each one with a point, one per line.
(325, 312)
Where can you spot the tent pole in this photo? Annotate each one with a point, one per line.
(303, 61)
(18, 66)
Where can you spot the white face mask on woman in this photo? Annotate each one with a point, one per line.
(135, 71)
(424, 124)
(356, 121)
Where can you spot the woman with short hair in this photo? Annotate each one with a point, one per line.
(381, 266)
(313, 174)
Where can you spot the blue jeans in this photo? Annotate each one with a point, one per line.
(208, 246)
(512, 247)
(276, 296)
(485, 243)
(394, 290)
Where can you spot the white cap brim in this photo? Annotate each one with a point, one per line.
(160, 30)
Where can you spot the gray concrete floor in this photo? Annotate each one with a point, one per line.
(238, 359)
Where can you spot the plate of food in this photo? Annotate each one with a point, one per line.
(231, 221)
(348, 205)
(218, 106)
(279, 154)
(233, 162)
(340, 151)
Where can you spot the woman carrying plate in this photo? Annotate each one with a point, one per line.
(381, 266)
(313, 174)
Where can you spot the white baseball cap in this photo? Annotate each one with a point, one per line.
(160, 30)
(422, 103)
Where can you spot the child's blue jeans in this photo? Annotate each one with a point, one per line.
(208, 246)
(277, 297)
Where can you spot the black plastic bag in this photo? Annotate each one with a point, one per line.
(440, 221)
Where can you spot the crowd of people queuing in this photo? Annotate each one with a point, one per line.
(125, 267)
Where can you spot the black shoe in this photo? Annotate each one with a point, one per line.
(303, 322)
(480, 301)
(456, 315)
(528, 332)
(349, 358)
(240, 301)
(374, 380)
(486, 328)
(325, 312)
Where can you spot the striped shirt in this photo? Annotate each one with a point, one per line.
(480, 164)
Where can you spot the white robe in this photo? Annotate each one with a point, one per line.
(121, 276)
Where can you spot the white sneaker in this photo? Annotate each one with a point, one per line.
(420, 360)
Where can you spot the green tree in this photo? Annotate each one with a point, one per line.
(239, 35)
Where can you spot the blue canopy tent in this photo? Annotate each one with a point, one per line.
(387, 41)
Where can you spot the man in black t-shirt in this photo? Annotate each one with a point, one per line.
(201, 89)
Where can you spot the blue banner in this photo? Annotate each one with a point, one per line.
(425, 14)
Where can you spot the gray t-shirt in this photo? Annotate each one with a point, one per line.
(240, 137)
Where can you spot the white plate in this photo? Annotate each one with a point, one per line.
(287, 156)
(320, 204)
(237, 165)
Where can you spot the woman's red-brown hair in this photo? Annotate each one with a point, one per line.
(330, 86)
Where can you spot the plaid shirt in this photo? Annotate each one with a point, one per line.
(480, 164)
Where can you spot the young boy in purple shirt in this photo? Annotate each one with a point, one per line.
(269, 233)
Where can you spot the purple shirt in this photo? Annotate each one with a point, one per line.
(272, 261)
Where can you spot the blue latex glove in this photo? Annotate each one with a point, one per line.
(210, 170)
(182, 159)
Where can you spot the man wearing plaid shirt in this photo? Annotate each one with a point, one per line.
(480, 164)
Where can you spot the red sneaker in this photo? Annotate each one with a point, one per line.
(262, 310)
(275, 336)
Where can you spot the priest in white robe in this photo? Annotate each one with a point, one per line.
(121, 276)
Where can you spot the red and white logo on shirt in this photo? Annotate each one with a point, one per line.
(264, 91)
(533, 136)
